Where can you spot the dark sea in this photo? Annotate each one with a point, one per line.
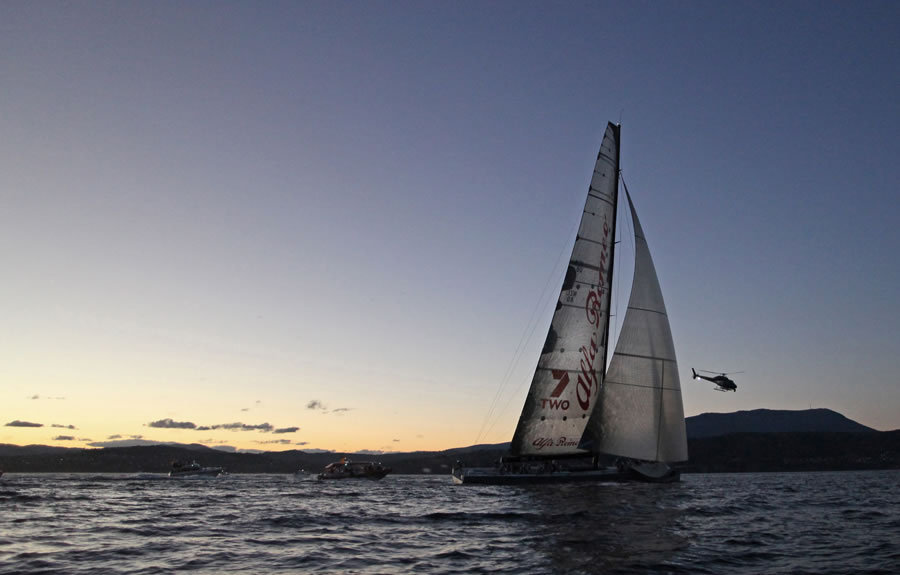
(840, 522)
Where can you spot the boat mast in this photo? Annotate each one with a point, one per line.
(617, 128)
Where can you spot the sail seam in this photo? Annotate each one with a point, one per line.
(651, 357)
(640, 385)
(601, 198)
(572, 305)
(649, 310)
(606, 157)
(593, 241)
(584, 265)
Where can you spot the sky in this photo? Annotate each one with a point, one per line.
(332, 225)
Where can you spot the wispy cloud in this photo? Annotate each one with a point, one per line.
(36, 396)
(116, 436)
(169, 424)
(18, 423)
(237, 426)
(317, 405)
(64, 438)
(233, 426)
(279, 441)
(64, 426)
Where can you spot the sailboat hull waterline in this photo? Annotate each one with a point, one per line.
(493, 476)
(579, 411)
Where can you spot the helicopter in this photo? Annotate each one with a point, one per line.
(722, 381)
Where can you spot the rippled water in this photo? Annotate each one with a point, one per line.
(846, 522)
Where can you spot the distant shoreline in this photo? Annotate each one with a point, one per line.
(738, 452)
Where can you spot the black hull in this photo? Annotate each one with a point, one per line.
(493, 476)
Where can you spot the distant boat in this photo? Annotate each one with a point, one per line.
(577, 411)
(346, 469)
(194, 469)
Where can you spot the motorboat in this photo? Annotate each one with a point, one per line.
(194, 469)
(346, 469)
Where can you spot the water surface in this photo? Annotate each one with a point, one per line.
(828, 523)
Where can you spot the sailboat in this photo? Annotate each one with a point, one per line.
(583, 420)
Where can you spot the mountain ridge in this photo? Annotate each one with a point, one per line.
(819, 439)
(772, 421)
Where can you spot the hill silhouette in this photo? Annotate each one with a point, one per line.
(758, 440)
(771, 421)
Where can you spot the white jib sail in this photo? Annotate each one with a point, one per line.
(640, 414)
(569, 372)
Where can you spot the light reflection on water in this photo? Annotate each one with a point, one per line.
(740, 523)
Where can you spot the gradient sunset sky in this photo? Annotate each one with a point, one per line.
(277, 225)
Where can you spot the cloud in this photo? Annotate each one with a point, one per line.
(317, 405)
(396, 440)
(245, 409)
(169, 424)
(280, 441)
(18, 423)
(116, 436)
(301, 443)
(64, 438)
(64, 426)
(36, 396)
(237, 426)
(234, 426)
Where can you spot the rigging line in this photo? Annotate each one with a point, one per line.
(629, 226)
(531, 334)
(527, 334)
